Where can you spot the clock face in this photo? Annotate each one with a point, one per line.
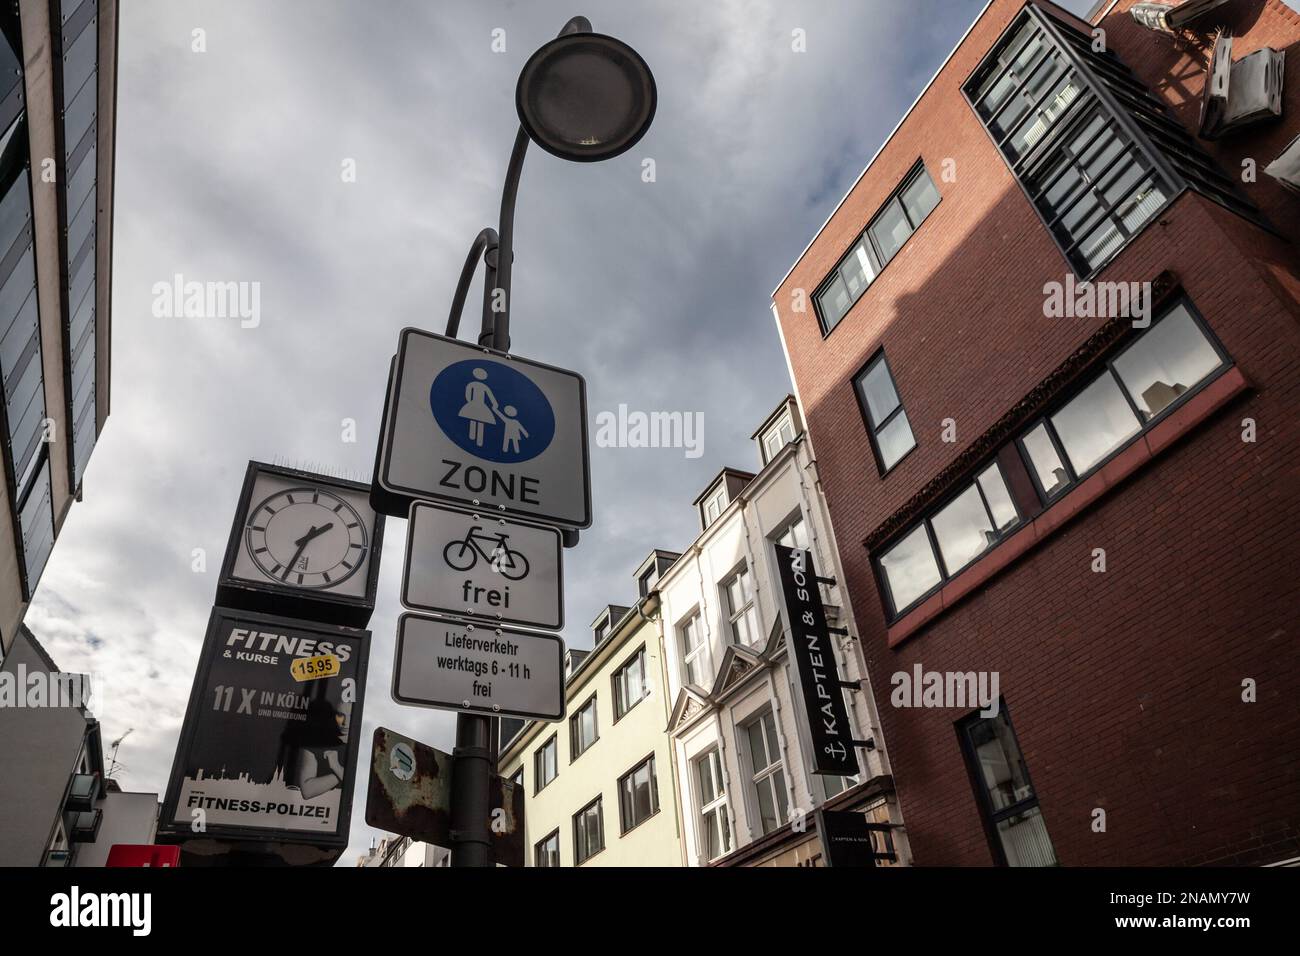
(306, 536)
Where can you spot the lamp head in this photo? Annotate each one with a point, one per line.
(586, 97)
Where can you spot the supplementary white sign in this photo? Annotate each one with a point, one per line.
(484, 429)
(498, 671)
(475, 565)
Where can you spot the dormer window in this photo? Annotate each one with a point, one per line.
(647, 581)
(602, 631)
(715, 505)
(777, 436)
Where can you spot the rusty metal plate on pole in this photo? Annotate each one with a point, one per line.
(410, 794)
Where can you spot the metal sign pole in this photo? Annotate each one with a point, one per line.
(471, 776)
(474, 757)
(474, 760)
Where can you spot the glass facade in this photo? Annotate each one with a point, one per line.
(79, 38)
(1096, 153)
(26, 452)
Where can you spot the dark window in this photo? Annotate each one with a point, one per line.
(647, 581)
(1152, 374)
(547, 852)
(1168, 361)
(36, 524)
(1017, 832)
(974, 520)
(638, 794)
(546, 764)
(901, 215)
(582, 729)
(588, 832)
(21, 372)
(887, 424)
(959, 531)
(631, 684)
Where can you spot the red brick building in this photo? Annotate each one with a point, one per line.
(1097, 501)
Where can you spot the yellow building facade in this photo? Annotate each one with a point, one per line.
(600, 786)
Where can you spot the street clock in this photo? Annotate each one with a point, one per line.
(303, 545)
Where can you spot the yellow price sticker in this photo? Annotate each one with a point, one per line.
(314, 668)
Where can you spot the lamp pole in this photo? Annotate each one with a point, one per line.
(601, 61)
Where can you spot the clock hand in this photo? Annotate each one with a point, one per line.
(312, 533)
(301, 544)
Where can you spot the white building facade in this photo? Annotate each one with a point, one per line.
(738, 724)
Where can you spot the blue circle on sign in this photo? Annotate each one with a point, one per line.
(492, 410)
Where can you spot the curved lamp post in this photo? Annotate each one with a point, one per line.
(583, 97)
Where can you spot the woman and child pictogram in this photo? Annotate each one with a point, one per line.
(481, 409)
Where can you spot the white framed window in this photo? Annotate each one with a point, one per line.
(780, 434)
(742, 616)
(768, 782)
(715, 828)
(715, 505)
(837, 785)
(794, 534)
(697, 657)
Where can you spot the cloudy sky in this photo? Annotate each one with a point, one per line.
(229, 168)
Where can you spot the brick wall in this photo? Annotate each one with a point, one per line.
(1124, 687)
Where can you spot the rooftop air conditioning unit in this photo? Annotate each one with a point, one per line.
(1241, 93)
(1286, 168)
(1171, 17)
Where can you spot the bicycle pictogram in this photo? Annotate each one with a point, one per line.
(464, 554)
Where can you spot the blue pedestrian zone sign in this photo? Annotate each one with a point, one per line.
(476, 427)
(492, 411)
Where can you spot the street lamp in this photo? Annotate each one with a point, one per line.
(583, 97)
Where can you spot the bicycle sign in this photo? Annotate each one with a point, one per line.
(482, 567)
(464, 554)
